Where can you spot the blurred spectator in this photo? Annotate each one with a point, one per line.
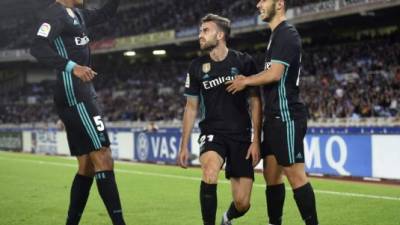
(348, 80)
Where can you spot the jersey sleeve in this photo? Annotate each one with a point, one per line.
(285, 49)
(192, 84)
(249, 66)
(102, 15)
(48, 31)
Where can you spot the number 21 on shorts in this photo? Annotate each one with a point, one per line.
(205, 137)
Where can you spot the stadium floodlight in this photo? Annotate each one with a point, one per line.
(159, 52)
(130, 53)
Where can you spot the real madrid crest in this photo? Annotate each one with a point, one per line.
(206, 67)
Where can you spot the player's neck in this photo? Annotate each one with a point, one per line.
(66, 3)
(276, 21)
(219, 53)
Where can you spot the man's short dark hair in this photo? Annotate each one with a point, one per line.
(287, 4)
(223, 23)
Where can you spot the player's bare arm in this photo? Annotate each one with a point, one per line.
(189, 117)
(256, 117)
(267, 76)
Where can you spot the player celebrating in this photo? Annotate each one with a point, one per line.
(225, 121)
(285, 116)
(62, 43)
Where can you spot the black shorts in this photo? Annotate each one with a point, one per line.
(284, 140)
(231, 151)
(85, 128)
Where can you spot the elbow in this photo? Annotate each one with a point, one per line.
(33, 51)
(36, 49)
(276, 78)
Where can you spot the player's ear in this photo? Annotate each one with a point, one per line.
(280, 5)
(220, 35)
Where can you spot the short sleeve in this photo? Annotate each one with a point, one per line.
(285, 49)
(192, 84)
(49, 28)
(250, 66)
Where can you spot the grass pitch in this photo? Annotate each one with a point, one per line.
(35, 190)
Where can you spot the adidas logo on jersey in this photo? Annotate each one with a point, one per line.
(206, 76)
(216, 82)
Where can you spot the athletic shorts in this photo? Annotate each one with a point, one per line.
(284, 140)
(232, 152)
(85, 128)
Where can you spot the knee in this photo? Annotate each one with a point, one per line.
(86, 172)
(102, 159)
(296, 178)
(242, 204)
(210, 175)
(273, 178)
(86, 168)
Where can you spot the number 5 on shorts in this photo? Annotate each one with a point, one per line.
(99, 123)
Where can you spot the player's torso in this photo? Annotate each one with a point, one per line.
(281, 99)
(73, 44)
(221, 111)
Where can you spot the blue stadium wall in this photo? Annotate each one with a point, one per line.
(349, 151)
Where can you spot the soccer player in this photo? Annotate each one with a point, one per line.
(62, 43)
(285, 123)
(225, 120)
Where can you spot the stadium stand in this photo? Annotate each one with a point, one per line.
(131, 20)
(356, 83)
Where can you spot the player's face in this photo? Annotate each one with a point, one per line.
(208, 36)
(267, 10)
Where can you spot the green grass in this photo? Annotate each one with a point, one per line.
(35, 190)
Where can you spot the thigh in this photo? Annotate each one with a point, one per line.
(286, 141)
(86, 131)
(211, 163)
(241, 189)
(78, 140)
(237, 165)
(266, 140)
(272, 171)
(214, 143)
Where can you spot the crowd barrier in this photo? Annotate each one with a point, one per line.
(328, 152)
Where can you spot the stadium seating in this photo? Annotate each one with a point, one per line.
(355, 83)
(131, 20)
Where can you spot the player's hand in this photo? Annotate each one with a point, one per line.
(254, 152)
(236, 85)
(84, 73)
(183, 157)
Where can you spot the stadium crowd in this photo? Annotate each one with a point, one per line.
(17, 31)
(352, 80)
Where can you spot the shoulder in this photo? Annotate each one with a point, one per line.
(288, 33)
(241, 56)
(197, 62)
(53, 12)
